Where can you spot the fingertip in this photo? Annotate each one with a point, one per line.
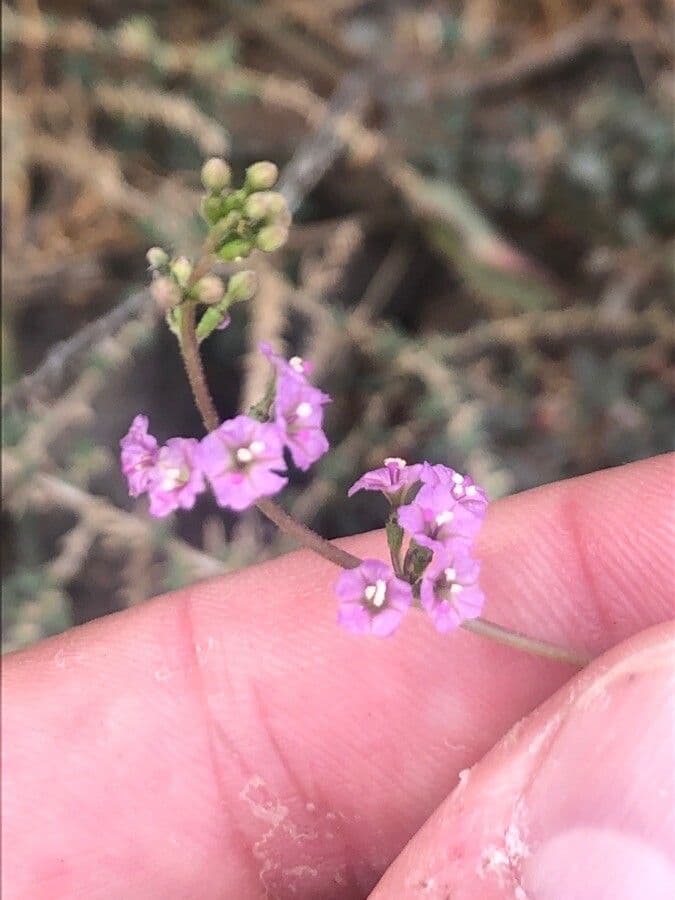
(577, 801)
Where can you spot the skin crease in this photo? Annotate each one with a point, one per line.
(229, 740)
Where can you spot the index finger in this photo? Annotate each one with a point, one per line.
(229, 740)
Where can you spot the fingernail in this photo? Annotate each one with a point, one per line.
(598, 863)
(601, 808)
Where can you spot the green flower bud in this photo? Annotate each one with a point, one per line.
(181, 269)
(214, 318)
(261, 176)
(271, 237)
(157, 258)
(165, 292)
(264, 205)
(216, 174)
(210, 289)
(242, 286)
(237, 248)
(211, 209)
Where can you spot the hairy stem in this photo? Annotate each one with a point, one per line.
(192, 361)
(306, 537)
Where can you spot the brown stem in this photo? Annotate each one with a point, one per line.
(518, 641)
(192, 361)
(308, 538)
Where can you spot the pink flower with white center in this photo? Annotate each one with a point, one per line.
(176, 479)
(435, 518)
(449, 590)
(296, 365)
(464, 488)
(139, 451)
(243, 459)
(298, 412)
(393, 479)
(372, 600)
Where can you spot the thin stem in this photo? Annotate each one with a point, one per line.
(305, 536)
(518, 641)
(192, 361)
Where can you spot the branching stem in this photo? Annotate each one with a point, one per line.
(306, 537)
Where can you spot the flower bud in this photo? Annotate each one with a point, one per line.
(157, 258)
(261, 176)
(214, 319)
(216, 174)
(242, 285)
(211, 209)
(237, 248)
(181, 269)
(210, 289)
(271, 237)
(264, 205)
(165, 292)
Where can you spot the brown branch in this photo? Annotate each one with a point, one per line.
(194, 370)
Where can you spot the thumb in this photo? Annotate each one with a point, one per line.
(577, 802)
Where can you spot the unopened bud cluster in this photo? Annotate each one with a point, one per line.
(247, 218)
(173, 284)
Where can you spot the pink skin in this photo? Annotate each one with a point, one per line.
(577, 802)
(230, 738)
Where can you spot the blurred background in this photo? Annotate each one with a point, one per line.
(481, 265)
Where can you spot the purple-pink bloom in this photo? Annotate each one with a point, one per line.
(139, 451)
(464, 488)
(298, 412)
(176, 479)
(435, 518)
(296, 365)
(372, 600)
(393, 479)
(242, 460)
(449, 590)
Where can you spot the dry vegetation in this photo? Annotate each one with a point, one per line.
(481, 266)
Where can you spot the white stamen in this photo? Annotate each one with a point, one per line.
(244, 455)
(304, 410)
(376, 593)
(296, 362)
(457, 478)
(171, 478)
(450, 575)
(444, 517)
(456, 588)
(395, 461)
(471, 491)
(257, 447)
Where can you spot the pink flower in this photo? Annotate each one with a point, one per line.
(176, 480)
(139, 453)
(294, 366)
(372, 599)
(298, 411)
(393, 479)
(242, 460)
(436, 518)
(463, 487)
(449, 590)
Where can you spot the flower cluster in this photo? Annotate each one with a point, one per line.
(244, 219)
(243, 459)
(438, 512)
